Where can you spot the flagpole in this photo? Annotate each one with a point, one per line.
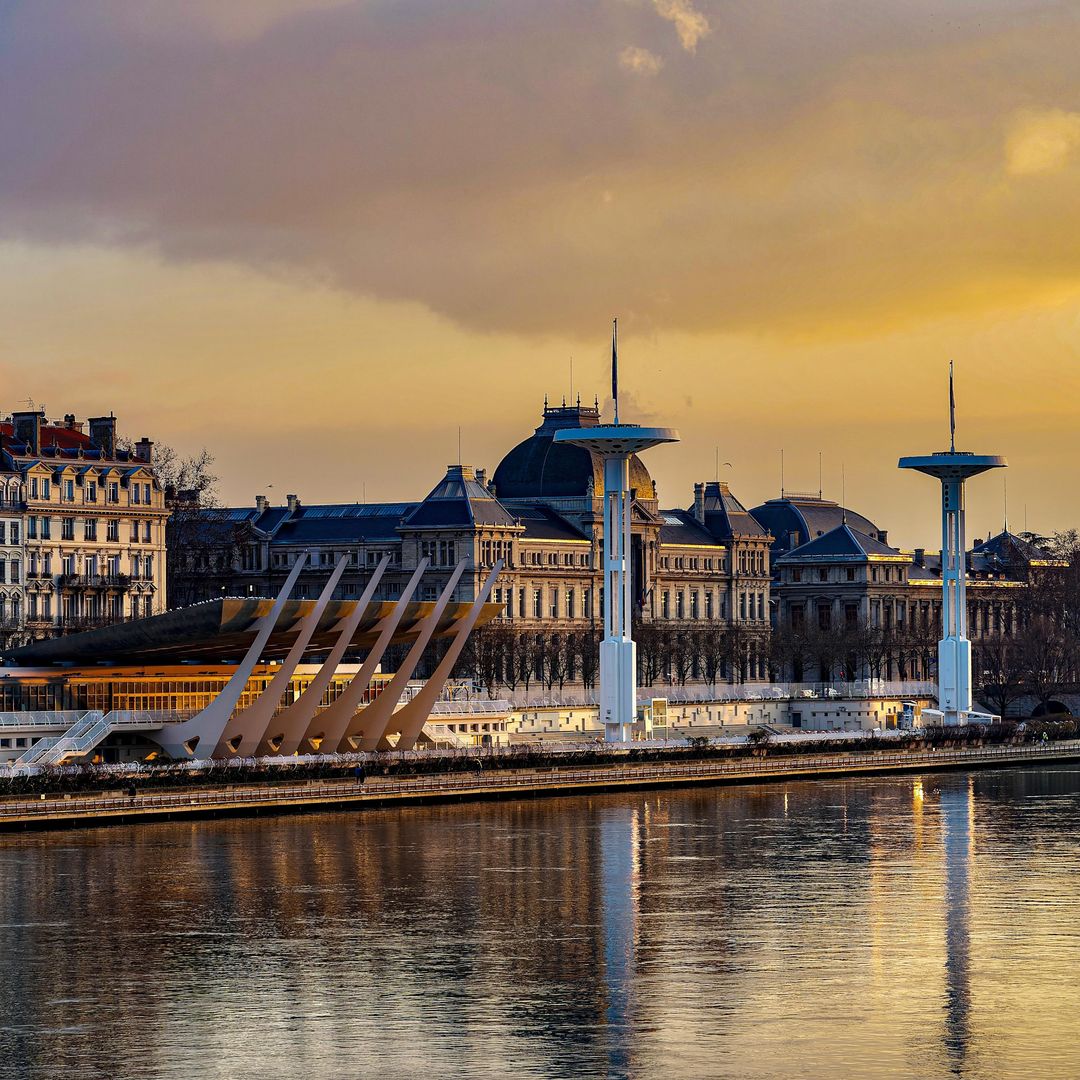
(952, 412)
(615, 366)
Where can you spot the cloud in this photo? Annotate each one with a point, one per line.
(825, 171)
(1041, 142)
(640, 61)
(690, 24)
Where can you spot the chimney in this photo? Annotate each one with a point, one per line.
(262, 503)
(144, 450)
(920, 556)
(293, 502)
(26, 427)
(69, 421)
(883, 536)
(699, 502)
(481, 477)
(103, 434)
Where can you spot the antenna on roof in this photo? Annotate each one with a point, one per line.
(843, 493)
(819, 485)
(615, 366)
(781, 472)
(952, 412)
(1006, 504)
(459, 444)
(571, 378)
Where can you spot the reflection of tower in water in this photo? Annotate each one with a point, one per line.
(620, 893)
(957, 825)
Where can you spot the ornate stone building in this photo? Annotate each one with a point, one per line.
(836, 579)
(540, 512)
(83, 519)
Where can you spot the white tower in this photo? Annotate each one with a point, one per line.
(614, 443)
(952, 467)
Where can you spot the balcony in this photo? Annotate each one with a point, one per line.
(95, 581)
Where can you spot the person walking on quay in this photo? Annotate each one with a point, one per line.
(360, 775)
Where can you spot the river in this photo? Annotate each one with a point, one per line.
(904, 926)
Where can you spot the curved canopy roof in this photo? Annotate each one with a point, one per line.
(222, 630)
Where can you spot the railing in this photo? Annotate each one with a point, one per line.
(511, 781)
(64, 718)
(95, 581)
(472, 707)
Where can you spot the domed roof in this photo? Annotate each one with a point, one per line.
(797, 519)
(541, 468)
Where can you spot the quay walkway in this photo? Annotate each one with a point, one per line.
(59, 811)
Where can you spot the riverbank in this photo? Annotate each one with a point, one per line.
(117, 806)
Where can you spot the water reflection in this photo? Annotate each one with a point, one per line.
(957, 823)
(853, 928)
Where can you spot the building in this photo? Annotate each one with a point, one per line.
(848, 605)
(82, 527)
(540, 513)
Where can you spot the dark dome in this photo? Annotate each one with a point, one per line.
(798, 519)
(541, 468)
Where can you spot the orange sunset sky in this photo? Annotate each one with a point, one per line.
(317, 236)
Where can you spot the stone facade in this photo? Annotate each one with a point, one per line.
(541, 513)
(82, 527)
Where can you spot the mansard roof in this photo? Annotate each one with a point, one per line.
(1011, 550)
(681, 527)
(842, 544)
(459, 501)
(726, 518)
(543, 523)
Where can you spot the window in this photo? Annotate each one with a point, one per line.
(823, 575)
(521, 604)
(538, 604)
(33, 487)
(554, 603)
(113, 492)
(46, 489)
(67, 564)
(91, 491)
(146, 532)
(3, 532)
(14, 532)
(571, 613)
(112, 529)
(136, 493)
(90, 529)
(146, 494)
(824, 617)
(134, 532)
(742, 606)
(31, 528)
(586, 603)
(67, 492)
(665, 605)
(708, 605)
(851, 573)
(796, 575)
(679, 602)
(148, 566)
(3, 570)
(46, 528)
(694, 605)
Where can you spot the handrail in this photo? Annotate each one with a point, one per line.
(378, 787)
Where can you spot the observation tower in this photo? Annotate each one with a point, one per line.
(953, 467)
(614, 444)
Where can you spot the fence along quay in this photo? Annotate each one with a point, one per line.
(57, 811)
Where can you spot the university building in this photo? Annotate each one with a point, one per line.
(835, 575)
(540, 512)
(82, 527)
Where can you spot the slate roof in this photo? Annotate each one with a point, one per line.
(1010, 549)
(681, 527)
(543, 523)
(807, 517)
(842, 544)
(458, 500)
(726, 517)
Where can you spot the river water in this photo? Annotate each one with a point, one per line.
(924, 927)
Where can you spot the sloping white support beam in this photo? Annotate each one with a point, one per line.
(410, 718)
(327, 729)
(204, 729)
(290, 726)
(367, 728)
(245, 730)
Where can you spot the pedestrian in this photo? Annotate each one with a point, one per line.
(131, 791)
(360, 775)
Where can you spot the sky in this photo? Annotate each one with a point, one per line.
(319, 236)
